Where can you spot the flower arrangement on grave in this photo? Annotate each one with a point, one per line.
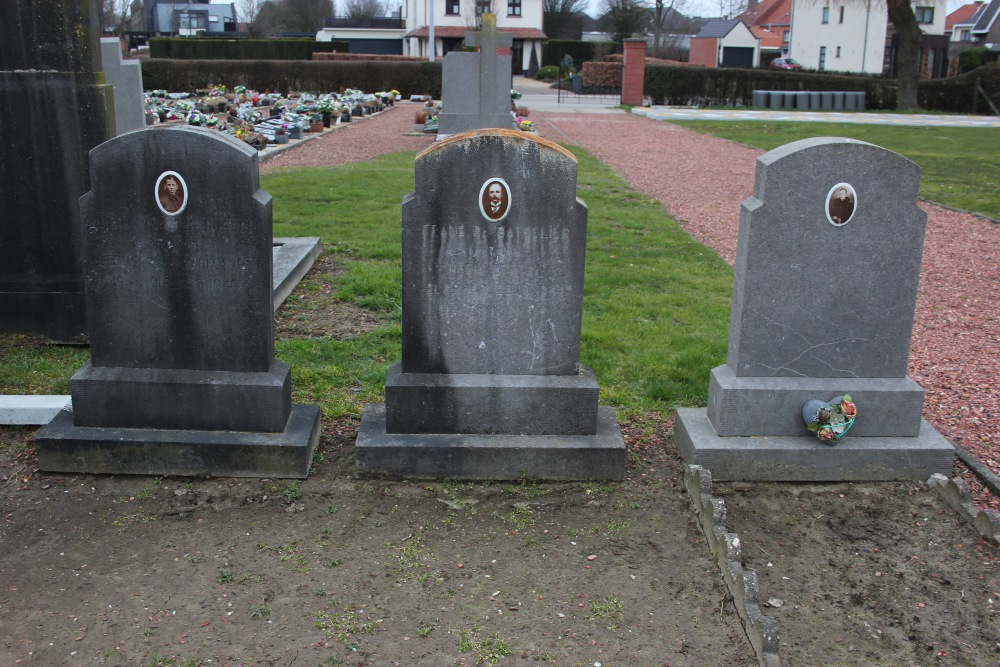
(327, 105)
(525, 124)
(239, 90)
(832, 420)
(514, 95)
(196, 117)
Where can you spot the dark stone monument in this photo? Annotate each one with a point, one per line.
(182, 378)
(54, 107)
(490, 385)
(827, 266)
(476, 86)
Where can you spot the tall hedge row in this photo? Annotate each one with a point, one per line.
(554, 50)
(721, 86)
(731, 87)
(957, 94)
(423, 78)
(189, 48)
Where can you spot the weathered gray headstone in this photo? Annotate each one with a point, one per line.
(54, 107)
(490, 385)
(476, 86)
(126, 78)
(827, 266)
(177, 246)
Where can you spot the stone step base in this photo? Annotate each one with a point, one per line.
(63, 447)
(494, 457)
(805, 459)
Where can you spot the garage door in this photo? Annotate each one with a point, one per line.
(737, 56)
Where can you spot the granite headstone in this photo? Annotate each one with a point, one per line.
(827, 266)
(182, 378)
(476, 86)
(490, 385)
(126, 78)
(55, 107)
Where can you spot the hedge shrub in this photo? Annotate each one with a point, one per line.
(957, 94)
(554, 50)
(722, 86)
(602, 75)
(195, 48)
(423, 78)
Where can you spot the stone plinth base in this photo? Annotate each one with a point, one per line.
(491, 404)
(166, 398)
(805, 459)
(63, 447)
(739, 406)
(464, 456)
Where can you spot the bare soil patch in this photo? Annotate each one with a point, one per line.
(313, 311)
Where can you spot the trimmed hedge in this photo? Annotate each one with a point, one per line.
(602, 75)
(554, 50)
(722, 86)
(957, 94)
(195, 48)
(389, 57)
(422, 78)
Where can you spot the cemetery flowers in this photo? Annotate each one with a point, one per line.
(830, 421)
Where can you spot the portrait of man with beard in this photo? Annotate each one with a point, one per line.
(494, 199)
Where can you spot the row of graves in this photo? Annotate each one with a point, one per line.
(260, 119)
(175, 239)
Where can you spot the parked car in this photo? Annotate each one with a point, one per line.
(785, 63)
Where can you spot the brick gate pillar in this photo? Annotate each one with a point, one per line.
(634, 72)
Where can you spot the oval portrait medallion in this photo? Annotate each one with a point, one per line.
(841, 202)
(171, 192)
(494, 199)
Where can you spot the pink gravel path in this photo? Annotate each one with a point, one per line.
(701, 180)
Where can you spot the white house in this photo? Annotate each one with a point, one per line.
(453, 18)
(183, 17)
(850, 35)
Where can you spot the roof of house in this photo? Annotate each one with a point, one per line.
(768, 13)
(963, 14)
(459, 31)
(767, 38)
(985, 18)
(721, 28)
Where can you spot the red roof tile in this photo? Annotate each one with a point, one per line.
(961, 15)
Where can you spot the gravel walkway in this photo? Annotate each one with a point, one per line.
(702, 180)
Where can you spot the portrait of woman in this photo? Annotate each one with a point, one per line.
(171, 192)
(494, 199)
(840, 204)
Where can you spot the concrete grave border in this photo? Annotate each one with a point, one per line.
(761, 630)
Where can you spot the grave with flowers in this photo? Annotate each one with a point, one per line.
(815, 387)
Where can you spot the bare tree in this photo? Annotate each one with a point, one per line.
(664, 11)
(907, 54)
(623, 18)
(558, 18)
(364, 9)
(115, 15)
(729, 9)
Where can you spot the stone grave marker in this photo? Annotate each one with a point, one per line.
(182, 380)
(827, 266)
(490, 385)
(126, 78)
(55, 107)
(476, 86)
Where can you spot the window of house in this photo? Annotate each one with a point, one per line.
(513, 7)
(191, 21)
(841, 14)
(822, 58)
(924, 14)
(838, 51)
(452, 7)
(966, 35)
(785, 34)
(213, 19)
(826, 15)
(484, 7)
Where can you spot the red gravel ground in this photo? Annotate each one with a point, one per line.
(702, 180)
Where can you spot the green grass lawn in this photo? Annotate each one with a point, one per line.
(656, 303)
(960, 166)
